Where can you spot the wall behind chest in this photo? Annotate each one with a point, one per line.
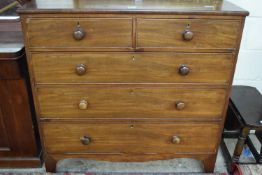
(248, 70)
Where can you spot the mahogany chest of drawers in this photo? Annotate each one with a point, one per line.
(131, 80)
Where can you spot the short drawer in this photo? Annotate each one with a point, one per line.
(114, 67)
(130, 138)
(116, 101)
(188, 33)
(79, 32)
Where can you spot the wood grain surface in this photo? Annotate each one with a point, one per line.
(208, 33)
(131, 54)
(117, 67)
(100, 32)
(130, 138)
(128, 102)
(19, 146)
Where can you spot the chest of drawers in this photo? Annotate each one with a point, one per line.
(131, 80)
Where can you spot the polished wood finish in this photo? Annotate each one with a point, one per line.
(128, 67)
(16, 117)
(131, 102)
(208, 33)
(123, 138)
(19, 146)
(100, 32)
(131, 80)
(9, 69)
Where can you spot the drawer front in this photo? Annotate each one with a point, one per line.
(130, 138)
(130, 102)
(188, 33)
(132, 67)
(80, 33)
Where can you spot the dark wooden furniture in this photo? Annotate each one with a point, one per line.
(244, 114)
(258, 156)
(19, 146)
(125, 80)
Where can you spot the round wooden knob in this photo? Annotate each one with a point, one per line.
(80, 69)
(83, 104)
(85, 140)
(188, 35)
(176, 140)
(79, 33)
(183, 70)
(180, 105)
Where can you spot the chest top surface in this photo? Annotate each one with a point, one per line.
(212, 7)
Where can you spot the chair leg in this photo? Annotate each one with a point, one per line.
(259, 137)
(226, 154)
(253, 150)
(240, 144)
(260, 154)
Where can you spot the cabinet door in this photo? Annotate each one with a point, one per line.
(16, 127)
(4, 144)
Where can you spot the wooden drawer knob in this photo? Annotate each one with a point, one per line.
(85, 140)
(176, 140)
(183, 70)
(79, 32)
(180, 105)
(80, 69)
(83, 104)
(188, 35)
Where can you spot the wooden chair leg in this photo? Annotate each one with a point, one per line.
(253, 150)
(259, 137)
(226, 155)
(240, 144)
(260, 156)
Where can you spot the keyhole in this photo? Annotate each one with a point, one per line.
(131, 91)
(78, 24)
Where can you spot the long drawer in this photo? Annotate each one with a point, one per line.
(104, 67)
(116, 101)
(79, 32)
(188, 33)
(130, 138)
